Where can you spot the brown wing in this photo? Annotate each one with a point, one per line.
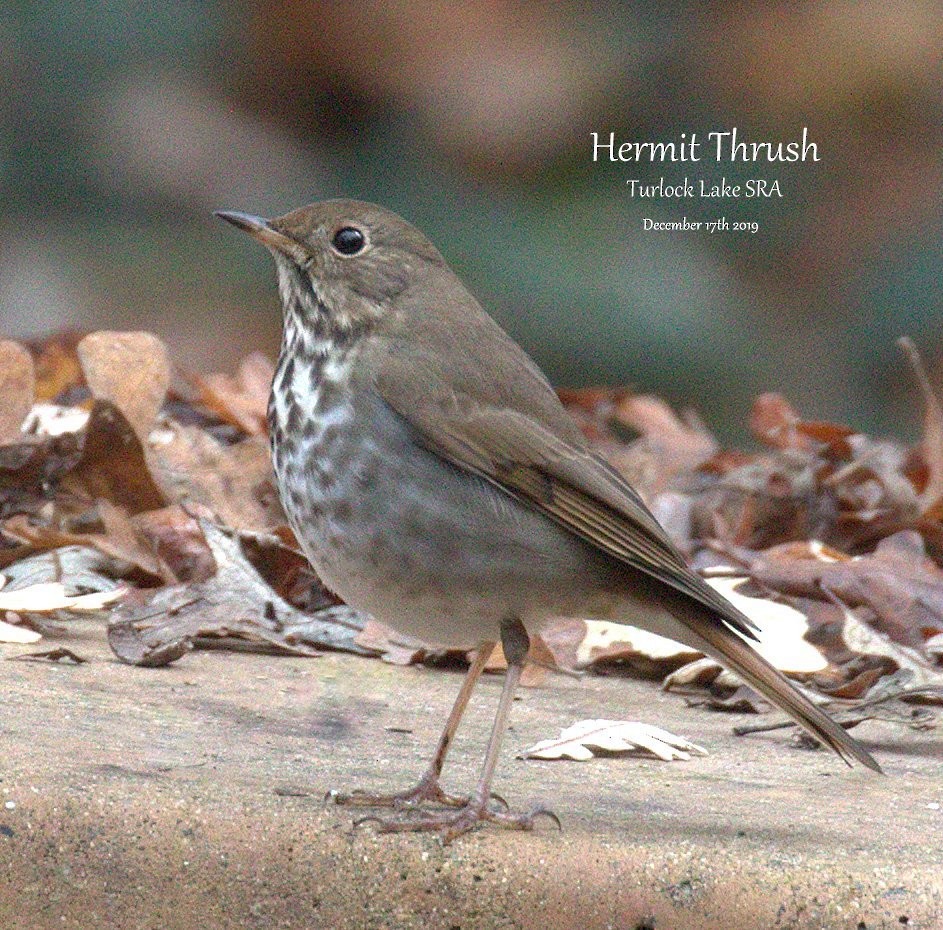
(554, 475)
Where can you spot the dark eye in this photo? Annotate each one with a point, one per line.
(348, 240)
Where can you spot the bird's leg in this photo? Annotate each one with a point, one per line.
(475, 810)
(428, 788)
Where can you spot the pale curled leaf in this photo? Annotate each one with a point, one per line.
(10, 633)
(781, 629)
(38, 598)
(613, 736)
(604, 638)
(699, 672)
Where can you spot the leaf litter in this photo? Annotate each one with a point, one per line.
(144, 493)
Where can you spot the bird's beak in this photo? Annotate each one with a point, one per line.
(263, 231)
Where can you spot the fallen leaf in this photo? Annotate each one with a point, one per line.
(701, 672)
(775, 422)
(120, 541)
(11, 633)
(782, 629)
(668, 446)
(648, 653)
(45, 597)
(31, 470)
(742, 699)
(60, 654)
(898, 581)
(17, 387)
(613, 736)
(173, 536)
(131, 371)
(864, 639)
(81, 568)
(232, 481)
(114, 465)
(241, 400)
(234, 608)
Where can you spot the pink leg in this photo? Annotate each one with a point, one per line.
(428, 788)
(476, 810)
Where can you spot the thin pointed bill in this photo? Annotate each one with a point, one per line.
(261, 230)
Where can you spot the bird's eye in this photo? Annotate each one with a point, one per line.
(348, 240)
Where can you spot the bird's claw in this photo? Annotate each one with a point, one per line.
(428, 791)
(449, 826)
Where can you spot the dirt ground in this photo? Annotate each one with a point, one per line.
(192, 796)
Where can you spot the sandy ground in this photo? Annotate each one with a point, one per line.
(191, 796)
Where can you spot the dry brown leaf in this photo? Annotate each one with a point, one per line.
(234, 608)
(241, 400)
(114, 465)
(17, 388)
(539, 661)
(131, 370)
(58, 371)
(173, 536)
(669, 445)
(775, 422)
(647, 653)
(234, 482)
(897, 581)
(121, 541)
(864, 639)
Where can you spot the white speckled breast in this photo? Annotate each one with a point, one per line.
(400, 533)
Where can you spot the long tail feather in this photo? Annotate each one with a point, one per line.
(729, 649)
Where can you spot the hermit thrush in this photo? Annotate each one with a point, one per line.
(435, 481)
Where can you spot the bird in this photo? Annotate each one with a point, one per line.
(435, 481)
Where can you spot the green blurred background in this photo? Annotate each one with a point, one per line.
(124, 124)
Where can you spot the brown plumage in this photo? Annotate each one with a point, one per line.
(436, 481)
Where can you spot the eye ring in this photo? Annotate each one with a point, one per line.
(348, 240)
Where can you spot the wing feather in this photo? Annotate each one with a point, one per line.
(568, 483)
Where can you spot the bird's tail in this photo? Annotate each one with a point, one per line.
(728, 648)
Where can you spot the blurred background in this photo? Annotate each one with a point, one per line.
(124, 124)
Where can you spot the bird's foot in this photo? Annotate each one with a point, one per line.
(451, 825)
(428, 791)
